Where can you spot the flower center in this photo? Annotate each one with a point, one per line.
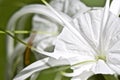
(101, 56)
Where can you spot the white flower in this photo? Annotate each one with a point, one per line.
(45, 25)
(89, 44)
(96, 40)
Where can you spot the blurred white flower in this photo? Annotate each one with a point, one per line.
(89, 43)
(47, 28)
(41, 23)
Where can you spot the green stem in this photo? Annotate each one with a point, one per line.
(27, 32)
(16, 38)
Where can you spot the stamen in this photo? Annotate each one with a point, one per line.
(102, 57)
(28, 32)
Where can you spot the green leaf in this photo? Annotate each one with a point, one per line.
(97, 77)
(110, 77)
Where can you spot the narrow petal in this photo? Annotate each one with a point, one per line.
(106, 13)
(115, 7)
(49, 30)
(36, 9)
(111, 34)
(96, 20)
(103, 25)
(38, 66)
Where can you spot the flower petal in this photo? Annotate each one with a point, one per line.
(115, 7)
(102, 68)
(111, 33)
(38, 66)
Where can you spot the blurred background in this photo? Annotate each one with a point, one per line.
(7, 9)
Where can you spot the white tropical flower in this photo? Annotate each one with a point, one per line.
(89, 44)
(96, 40)
(40, 24)
(68, 7)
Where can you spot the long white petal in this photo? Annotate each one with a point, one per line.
(96, 20)
(115, 7)
(36, 9)
(111, 34)
(38, 66)
(106, 13)
(103, 25)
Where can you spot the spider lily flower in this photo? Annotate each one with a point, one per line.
(39, 20)
(98, 43)
(14, 51)
(89, 44)
(40, 23)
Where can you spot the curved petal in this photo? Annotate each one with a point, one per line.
(38, 66)
(111, 30)
(47, 32)
(38, 9)
(44, 24)
(115, 7)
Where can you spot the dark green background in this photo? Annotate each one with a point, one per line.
(7, 8)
